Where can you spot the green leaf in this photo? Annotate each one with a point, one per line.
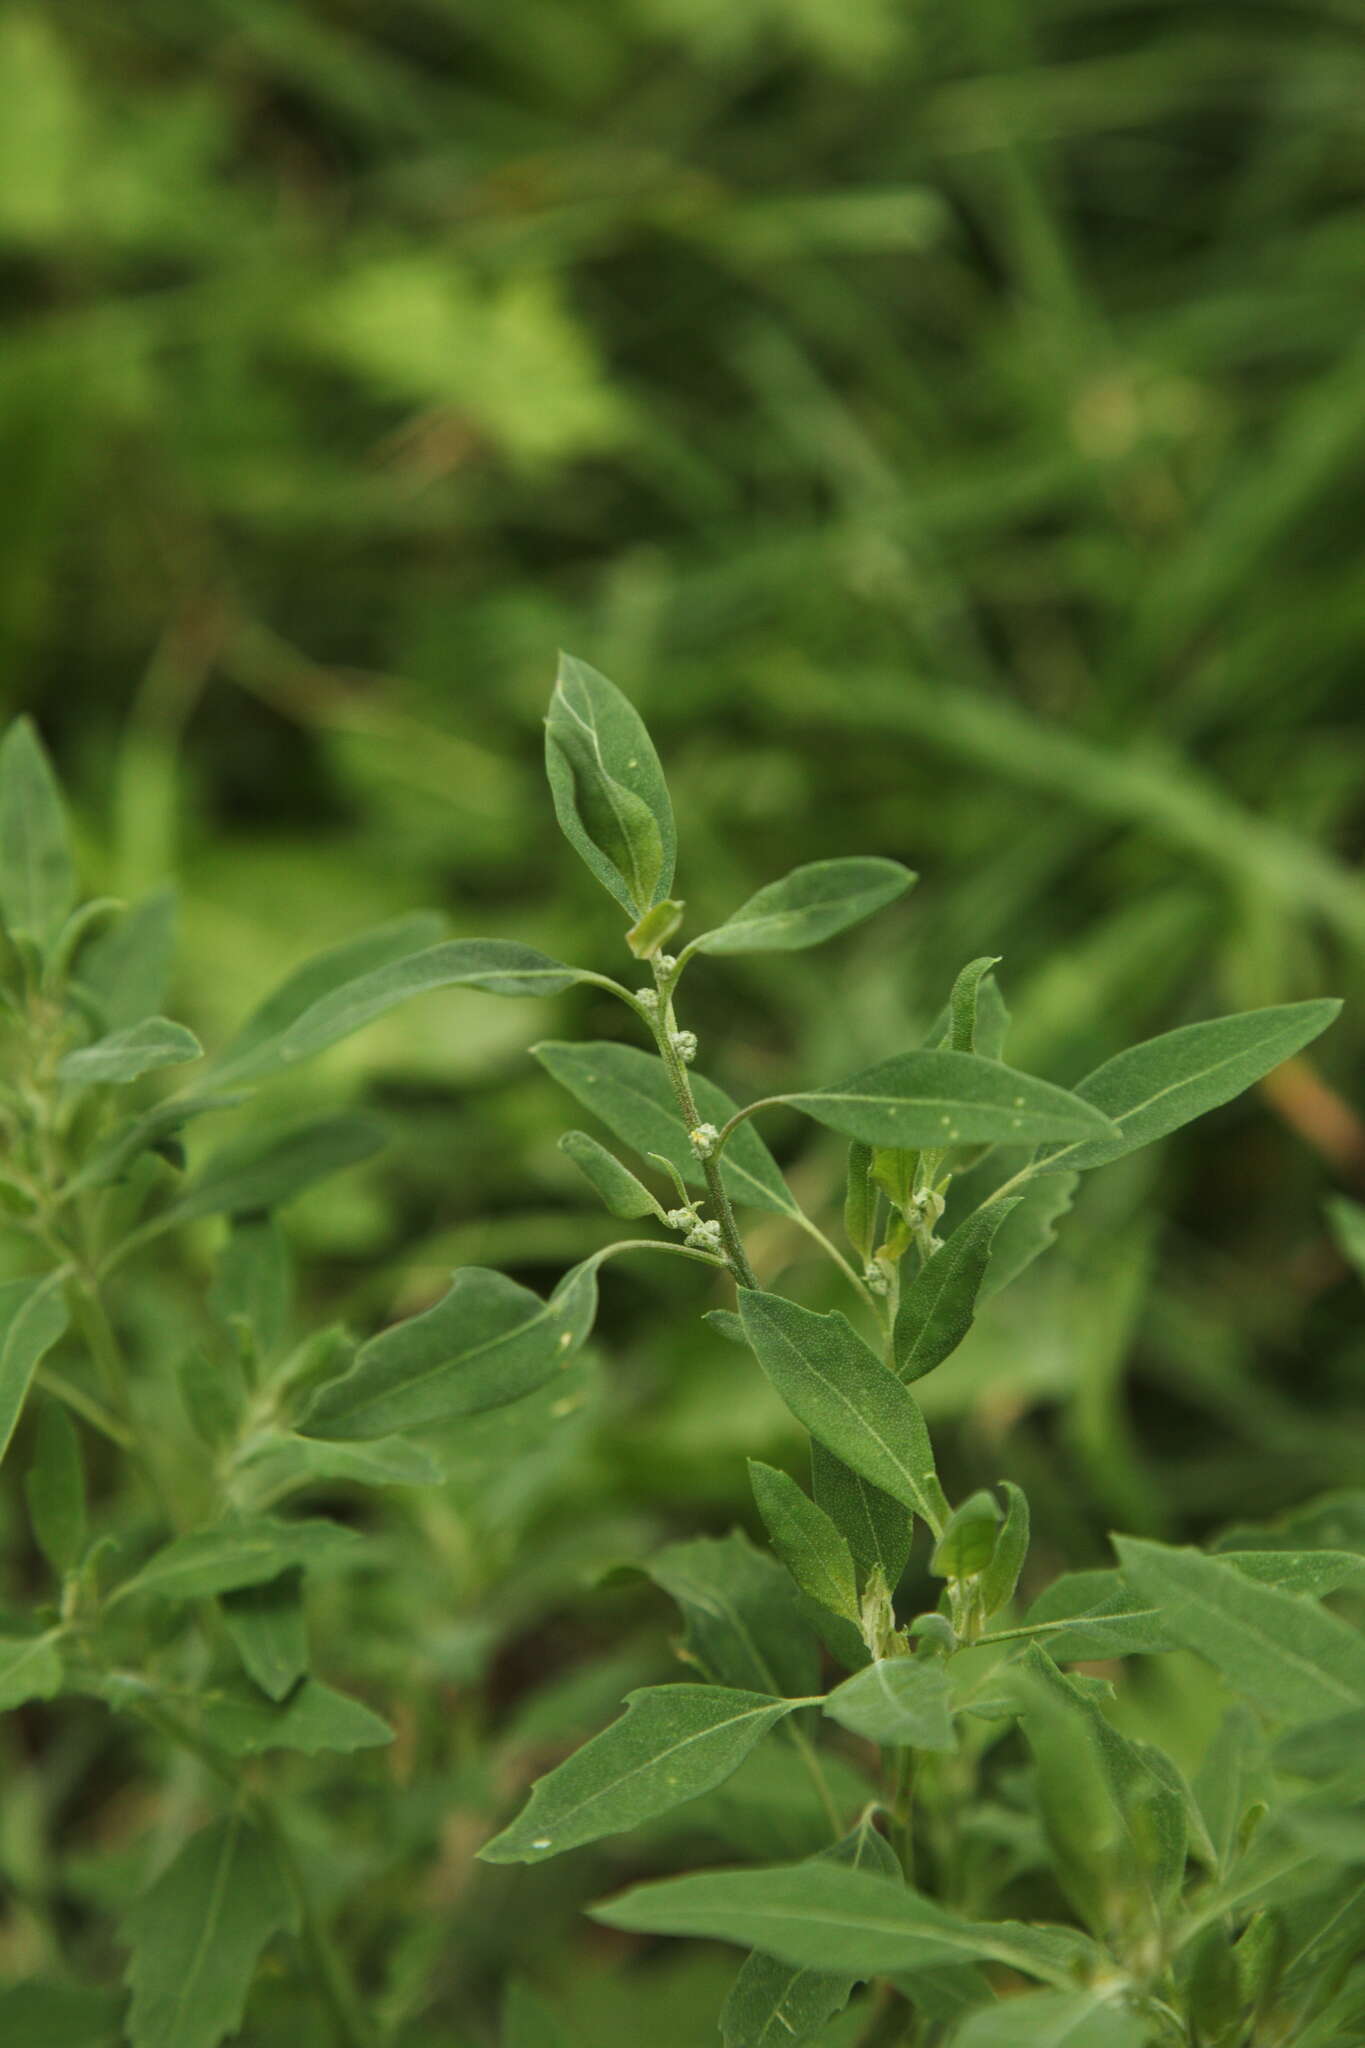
(1001, 1575)
(845, 1396)
(655, 928)
(487, 1341)
(196, 1936)
(1028, 1230)
(268, 1626)
(806, 1540)
(810, 904)
(247, 1552)
(937, 1098)
(38, 2014)
(281, 1463)
(528, 2022)
(213, 1396)
(37, 874)
(962, 1004)
(1347, 1219)
(126, 968)
(877, 1527)
(1288, 1655)
(500, 967)
(267, 1168)
(622, 1193)
(772, 2002)
(30, 1669)
(250, 1294)
(257, 1050)
(609, 792)
(967, 1545)
(629, 1090)
(821, 1915)
(903, 1701)
(312, 1719)
(128, 1054)
(744, 1627)
(1230, 1777)
(1314, 1572)
(33, 1315)
(860, 1200)
(1156, 1087)
(55, 1489)
(672, 1743)
(938, 1307)
(1060, 2019)
(1096, 1614)
(1324, 1748)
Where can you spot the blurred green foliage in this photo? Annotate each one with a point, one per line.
(947, 422)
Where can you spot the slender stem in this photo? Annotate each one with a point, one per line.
(664, 1024)
(1052, 1628)
(854, 1279)
(810, 1757)
(334, 1982)
(659, 1244)
(84, 1405)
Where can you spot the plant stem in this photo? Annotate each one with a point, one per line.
(334, 1983)
(665, 1024)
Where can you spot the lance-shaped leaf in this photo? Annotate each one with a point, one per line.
(846, 1397)
(1001, 1575)
(1059, 2019)
(772, 2002)
(279, 1464)
(255, 1052)
(629, 1090)
(672, 1743)
(878, 1528)
(126, 967)
(30, 1669)
(314, 1718)
(806, 1540)
(963, 1003)
(1028, 1230)
(744, 1625)
(37, 875)
(822, 1915)
(264, 1169)
(54, 1487)
(623, 1195)
(1096, 1614)
(1156, 1087)
(197, 1934)
(938, 1098)
(938, 1307)
(609, 792)
(1292, 1657)
(33, 1315)
(249, 1551)
(129, 1054)
(268, 1626)
(487, 1341)
(808, 905)
(499, 967)
(904, 1701)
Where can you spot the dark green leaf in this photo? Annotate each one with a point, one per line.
(846, 1397)
(128, 1054)
(213, 1397)
(609, 792)
(37, 875)
(281, 1464)
(860, 1200)
(1290, 1656)
(251, 1289)
(938, 1307)
(962, 1004)
(30, 1669)
(937, 1098)
(629, 1090)
(312, 1719)
(486, 1342)
(1001, 1575)
(268, 1626)
(1158, 1086)
(267, 1168)
(806, 1540)
(901, 1701)
(1028, 1230)
(808, 905)
(196, 1936)
(48, 2015)
(55, 1487)
(673, 1742)
(1096, 1614)
(744, 1625)
(877, 1527)
(623, 1195)
(33, 1315)
(247, 1552)
(528, 2022)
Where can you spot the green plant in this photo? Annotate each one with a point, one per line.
(960, 1774)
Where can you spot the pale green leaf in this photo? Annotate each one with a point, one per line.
(197, 1934)
(266, 1168)
(487, 1342)
(609, 792)
(126, 968)
(938, 1307)
(1291, 1657)
(630, 1091)
(901, 1701)
(313, 1718)
(128, 1054)
(810, 904)
(256, 1051)
(498, 967)
(806, 1540)
(821, 1915)
(33, 1315)
(37, 875)
(939, 1098)
(672, 1743)
(845, 1396)
(1156, 1087)
(249, 1551)
(30, 1669)
(623, 1195)
(54, 1486)
(268, 1626)
(1060, 2019)
(967, 1544)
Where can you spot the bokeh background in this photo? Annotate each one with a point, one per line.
(947, 421)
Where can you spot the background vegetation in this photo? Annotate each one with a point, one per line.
(947, 423)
